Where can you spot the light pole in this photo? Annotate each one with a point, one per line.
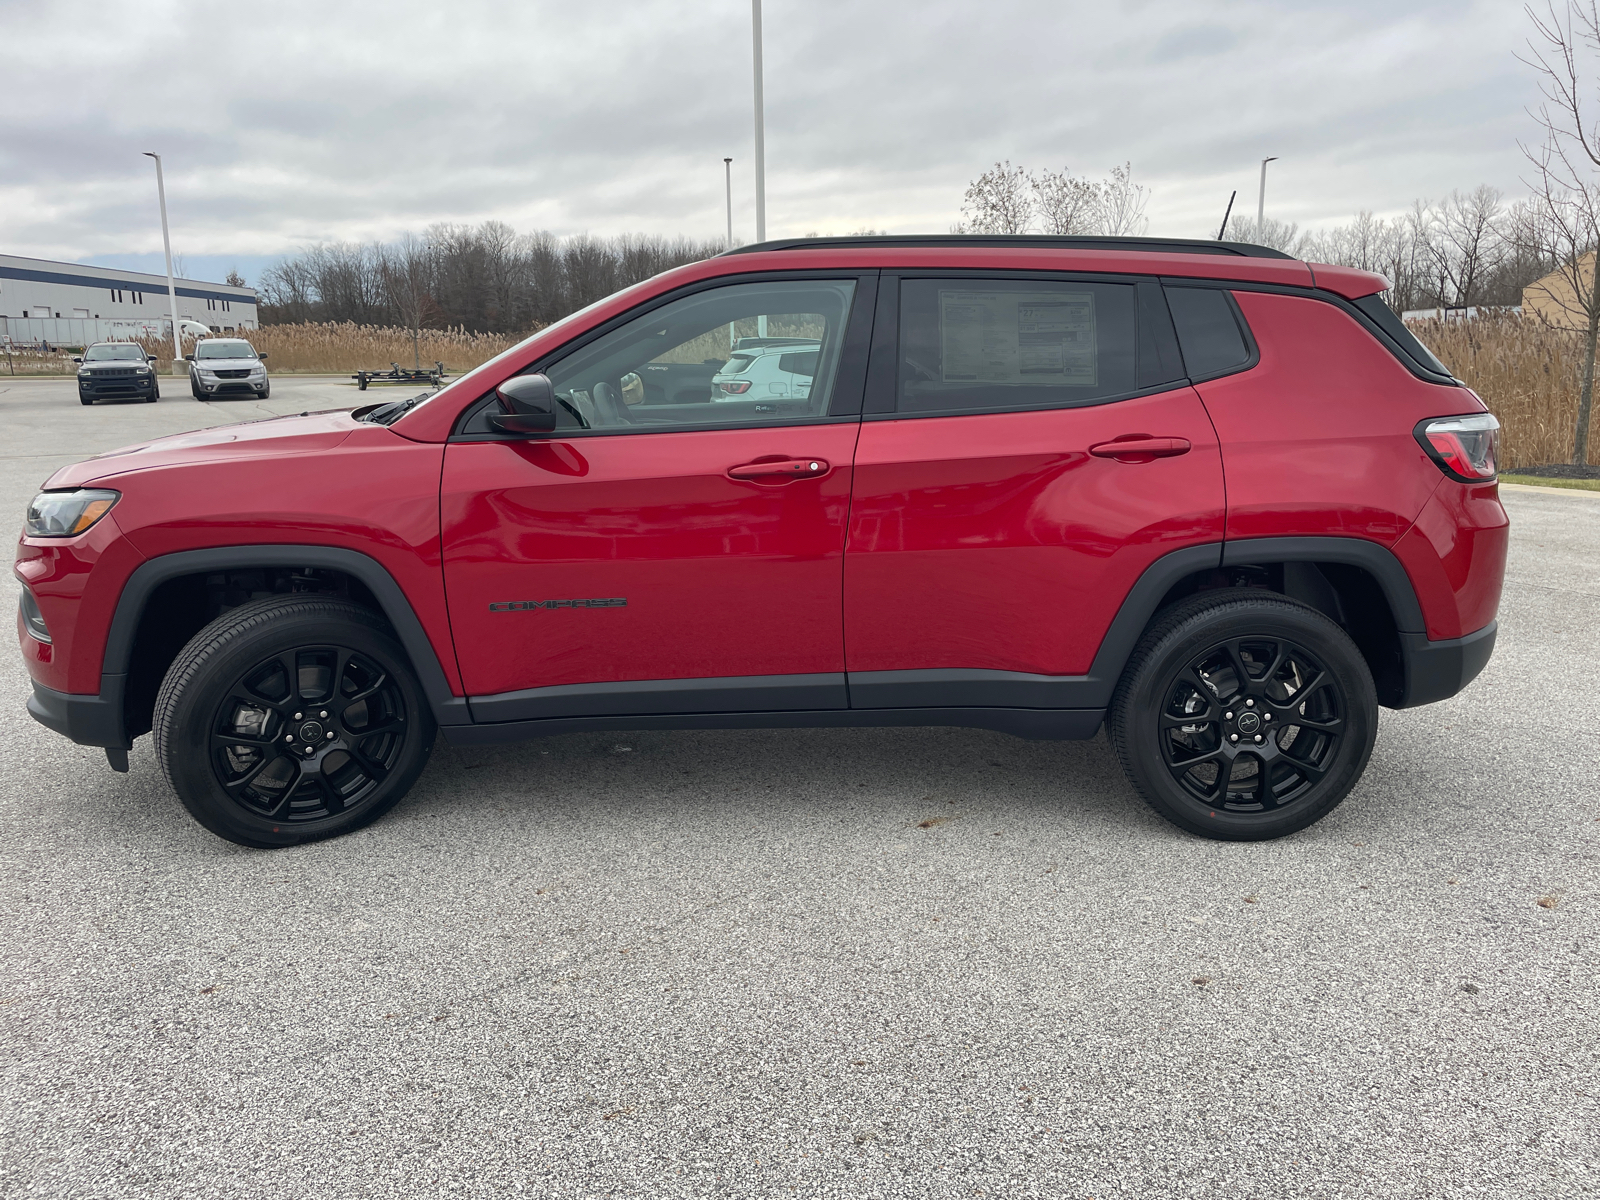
(761, 137)
(1261, 199)
(172, 287)
(727, 167)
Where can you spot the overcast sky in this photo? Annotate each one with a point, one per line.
(294, 122)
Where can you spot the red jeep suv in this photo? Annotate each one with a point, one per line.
(1217, 499)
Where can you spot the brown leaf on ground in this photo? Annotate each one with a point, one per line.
(1249, 899)
(1201, 980)
(1548, 901)
(209, 990)
(933, 822)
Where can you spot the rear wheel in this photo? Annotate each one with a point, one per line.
(1244, 716)
(291, 719)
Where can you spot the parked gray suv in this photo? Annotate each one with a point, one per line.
(227, 367)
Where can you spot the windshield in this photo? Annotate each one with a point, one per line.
(113, 354)
(224, 350)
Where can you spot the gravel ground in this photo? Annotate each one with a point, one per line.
(850, 963)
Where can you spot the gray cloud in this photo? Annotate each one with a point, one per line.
(295, 121)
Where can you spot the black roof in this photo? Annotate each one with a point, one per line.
(1021, 240)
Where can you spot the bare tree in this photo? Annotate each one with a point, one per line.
(407, 271)
(1067, 204)
(998, 201)
(1279, 235)
(1123, 203)
(1562, 220)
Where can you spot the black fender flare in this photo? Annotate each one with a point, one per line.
(448, 708)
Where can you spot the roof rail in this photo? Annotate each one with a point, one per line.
(1020, 240)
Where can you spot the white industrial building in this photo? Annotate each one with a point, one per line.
(69, 304)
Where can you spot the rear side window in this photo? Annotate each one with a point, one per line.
(1210, 331)
(975, 345)
(804, 363)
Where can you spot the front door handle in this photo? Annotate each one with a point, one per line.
(1140, 448)
(780, 470)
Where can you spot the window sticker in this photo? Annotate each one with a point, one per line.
(1031, 338)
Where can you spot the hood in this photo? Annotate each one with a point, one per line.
(226, 364)
(308, 433)
(114, 363)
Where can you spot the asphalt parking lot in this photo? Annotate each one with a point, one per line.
(826, 963)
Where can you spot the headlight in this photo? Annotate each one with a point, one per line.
(84, 372)
(145, 370)
(67, 514)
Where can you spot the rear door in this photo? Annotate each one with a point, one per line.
(1030, 446)
(666, 550)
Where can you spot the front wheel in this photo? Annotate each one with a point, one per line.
(1243, 716)
(291, 719)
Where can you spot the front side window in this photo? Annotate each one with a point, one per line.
(975, 345)
(749, 353)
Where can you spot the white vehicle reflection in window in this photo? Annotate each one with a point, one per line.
(771, 366)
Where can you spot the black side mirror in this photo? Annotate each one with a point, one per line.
(188, 358)
(262, 357)
(77, 360)
(529, 404)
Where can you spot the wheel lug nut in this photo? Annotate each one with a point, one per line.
(330, 733)
(1249, 703)
(297, 716)
(322, 714)
(309, 750)
(1233, 737)
(1266, 716)
(1227, 716)
(1259, 739)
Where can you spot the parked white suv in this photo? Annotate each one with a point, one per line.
(762, 367)
(227, 367)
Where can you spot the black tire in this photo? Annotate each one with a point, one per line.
(264, 393)
(194, 389)
(82, 399)
(1181, 713)
(309, 675)
(155, 394)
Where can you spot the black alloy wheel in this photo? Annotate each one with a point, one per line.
(292, 719)
(1244, 715)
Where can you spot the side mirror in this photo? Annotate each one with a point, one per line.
(188, 358)
(528, 403)
(77, 360)
(262, 357)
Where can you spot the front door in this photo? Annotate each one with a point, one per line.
(1035, 446)
(673, 546)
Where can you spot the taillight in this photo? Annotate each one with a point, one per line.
(737, 388)
(1466, 448)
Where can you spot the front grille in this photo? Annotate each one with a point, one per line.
(235, 387)
(112, 372)
(245, 374)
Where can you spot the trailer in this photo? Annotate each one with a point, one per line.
(399, 374)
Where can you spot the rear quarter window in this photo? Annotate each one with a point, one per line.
(1211, 332)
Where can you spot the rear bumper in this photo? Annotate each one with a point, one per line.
(87, 720)
(1437, 670)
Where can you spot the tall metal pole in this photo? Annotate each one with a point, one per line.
(761, 134)
(727, 166)
(172, 287)
(1261, 200)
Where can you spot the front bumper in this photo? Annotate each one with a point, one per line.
(1437, 670)
(232, 387)
(87, 720)
(116, 389)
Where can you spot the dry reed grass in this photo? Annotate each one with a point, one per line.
(1527, 373)
(347, 347)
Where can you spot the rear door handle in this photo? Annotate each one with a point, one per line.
(780, 470)
(1140, 447)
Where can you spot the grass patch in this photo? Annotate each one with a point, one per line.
(1581, 485)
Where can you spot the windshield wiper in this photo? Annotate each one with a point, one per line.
(389, 413)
